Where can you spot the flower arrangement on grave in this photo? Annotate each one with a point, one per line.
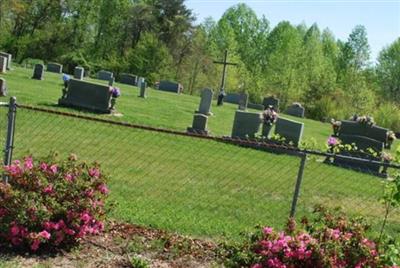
(51, 204)
(391, 137)
(336, 126)
(65, 78)
(365, 120)
(270, 116)
(115, 93)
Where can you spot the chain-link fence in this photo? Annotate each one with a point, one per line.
(197, 185)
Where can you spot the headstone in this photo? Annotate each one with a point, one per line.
(255, 106)
(205, 102)
(104, 75)
(359, 129)
(38, 72)
(91, 96)
(9, 58)
(128, 79)
(54, 68)
(3, 64)
(243, 100)
(170, 86)
(291, 130)
(111, 81)
(246, 124)
(199, 125)
(271, 101)
(79, 73)
(296, 110)
(3, 87)
(232, 98)
(143, 90)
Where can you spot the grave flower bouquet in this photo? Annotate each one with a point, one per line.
(391, 137)
(51, 204)
(270, 116)
(115, 93)
(336, 126)
(366, 120)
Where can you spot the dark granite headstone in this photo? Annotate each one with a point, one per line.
(255, 106)
(54, 68)
(243, 101)
(232, 98)
(359, 129)
(38, 72)
(296, 110)
(291, 130)
(271, 101)
(79, 73)
(246, 124)
(87, 95)
(143, 90)
(3, 87)
(199, 125)
(128, 79)
(105, 75)
(205, 102)
(3, 64)
(170, 86)
(9, 59)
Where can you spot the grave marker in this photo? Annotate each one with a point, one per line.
(199, 125)
(38, 72)
(246, 124)
(139, 82)
(296, 109)
(291, 130)
(3, 87)
(271, 101)
(243, 100)
(54, 68)
(9, 58)
(87, 95)
(170, 86)
(205, 102)
(79, 73)
(104, 75)
(232, 98)
(128, 79)
(3, 64)
(255, 106)
(143, 90)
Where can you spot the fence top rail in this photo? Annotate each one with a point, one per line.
(244, 142)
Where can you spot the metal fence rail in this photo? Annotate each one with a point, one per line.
(201, 186)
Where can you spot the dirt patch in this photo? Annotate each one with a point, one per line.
(125, 245)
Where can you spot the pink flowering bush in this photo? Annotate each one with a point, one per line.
(51, 204)
(327, 240)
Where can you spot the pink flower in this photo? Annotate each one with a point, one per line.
(85, 217)
(103, 189)
(89, 193)
(332, 141)
(14, 170)
(28, 164)
(48, 189)
(268, 230)
(94, 172)
(14, 230)
(69, 177)
(35, 244)
(43, 166)
(44, 234)
(257, 265)
(53, 168)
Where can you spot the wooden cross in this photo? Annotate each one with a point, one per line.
(225, 63)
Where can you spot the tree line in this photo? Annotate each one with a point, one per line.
(159, 39)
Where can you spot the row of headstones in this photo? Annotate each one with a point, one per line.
(296, 109)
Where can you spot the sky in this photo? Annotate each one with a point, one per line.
(381, 18)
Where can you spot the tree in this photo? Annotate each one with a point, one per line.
(388, 70)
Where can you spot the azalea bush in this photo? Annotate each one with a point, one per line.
(325, 240)
(47, 203)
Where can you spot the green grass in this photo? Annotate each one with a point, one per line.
(192, 186)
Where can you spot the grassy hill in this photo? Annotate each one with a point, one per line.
(189, 185)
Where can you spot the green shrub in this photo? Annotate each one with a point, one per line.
(388, 115)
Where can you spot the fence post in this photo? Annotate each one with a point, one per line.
(8, 149)
(298, 185)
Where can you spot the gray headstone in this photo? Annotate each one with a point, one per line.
(246, 124)
(79, 73)
(232, 98)
(111, 81)
(3, 64)
(87, 95)
(54, 68)
(139, 82)
(271, 101)
(243, 100)
(128, 79)
(170, 86)
(9, 59)
(295, 110)
(38, 72)
(199, 125)
(143, 90)
(359, 129)
(104, 75)
(3, 87)
(291, 130)
(205, 102)
(255, 106)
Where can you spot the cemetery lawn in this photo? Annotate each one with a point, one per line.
(160, 109)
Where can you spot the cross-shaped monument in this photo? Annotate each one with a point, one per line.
(225, 63)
